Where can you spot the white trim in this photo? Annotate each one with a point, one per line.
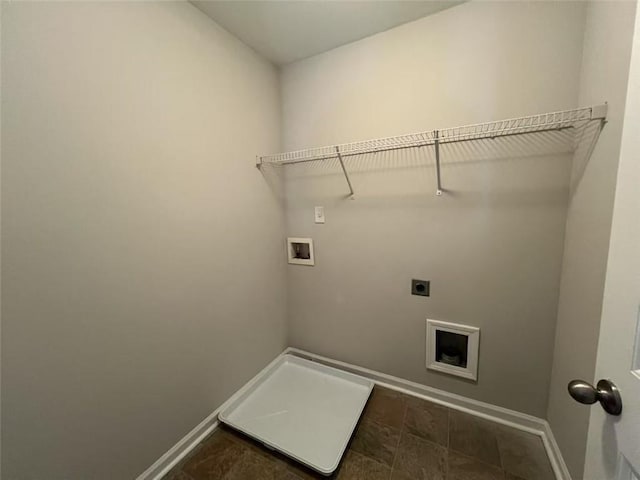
(470, 371)
(166, 462)
(170, 459)
(300, 261)
(494, 413)
(555, 455)
(624, 470)
(504, 416)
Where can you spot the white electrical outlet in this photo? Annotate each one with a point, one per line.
(319, 214)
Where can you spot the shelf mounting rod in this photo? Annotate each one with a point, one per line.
(344, 170)
(436, 144)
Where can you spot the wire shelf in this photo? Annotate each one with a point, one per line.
(514, 126)
(544, 122)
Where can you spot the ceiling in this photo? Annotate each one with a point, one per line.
(286, 31)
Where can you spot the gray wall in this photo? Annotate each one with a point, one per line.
(604, 75)
(135, 228)
(491, 246)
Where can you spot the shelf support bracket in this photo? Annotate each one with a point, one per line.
(436, 144)
(344, 170)
(599, 112)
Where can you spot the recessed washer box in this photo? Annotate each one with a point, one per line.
(300, 251)
(303, 409)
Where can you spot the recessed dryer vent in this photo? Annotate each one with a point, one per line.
(453, 348)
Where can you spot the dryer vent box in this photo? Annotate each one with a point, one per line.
(300, 251)
(453, 348)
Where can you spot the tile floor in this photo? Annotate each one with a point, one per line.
(398, 438)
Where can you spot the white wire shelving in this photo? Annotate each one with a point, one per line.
(545, 122)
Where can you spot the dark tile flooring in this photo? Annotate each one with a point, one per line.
(398, 438)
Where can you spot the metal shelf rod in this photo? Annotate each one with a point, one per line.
(346, 175)
(437, 148)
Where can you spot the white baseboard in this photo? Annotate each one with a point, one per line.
(504, 416)
(555, 456)
(172, 457)
(500, 415)
(166, 462)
